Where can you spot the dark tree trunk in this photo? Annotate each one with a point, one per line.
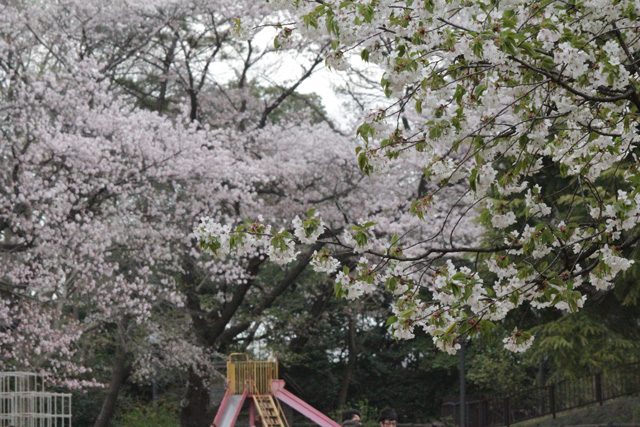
(119, 374)
(196, 413)
(315, 314)
(166, 67)
(351, 362)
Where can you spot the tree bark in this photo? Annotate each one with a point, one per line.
(166, 67)
(315, 313)
(227, 334)
(351, 362)
(196, 413)
(119, 374)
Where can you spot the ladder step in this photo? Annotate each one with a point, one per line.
(269, 412)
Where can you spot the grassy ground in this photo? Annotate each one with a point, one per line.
(622, 412)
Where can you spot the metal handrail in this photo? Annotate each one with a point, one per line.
(281, 412)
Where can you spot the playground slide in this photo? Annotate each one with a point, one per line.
(277, 389)
(229, 409)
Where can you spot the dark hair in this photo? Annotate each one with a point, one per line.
(351, 423)
(387, 414)
(348, 414)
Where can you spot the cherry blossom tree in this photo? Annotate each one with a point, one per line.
(122, 125)
(99, 197)
(531, 108)
(91, 254)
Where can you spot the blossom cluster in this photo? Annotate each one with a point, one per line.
(257, 237)
(518, 342)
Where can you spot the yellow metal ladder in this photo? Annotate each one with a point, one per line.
(270, 411)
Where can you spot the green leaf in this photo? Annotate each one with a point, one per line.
(472, 179)
(529, 49)
(435, 132)
(509, 19)
(363, 162)
(479, 90)
(407, 313)
(459, 276)
(508, 46)
(337, 289)
(368, 13)
(429, 5)
(477, 47)
(460, 91)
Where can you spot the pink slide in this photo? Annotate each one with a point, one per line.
(229, 409)
(277, 389)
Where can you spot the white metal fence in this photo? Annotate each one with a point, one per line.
(25, 403)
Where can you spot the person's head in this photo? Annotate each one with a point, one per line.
(351, 414)
(351, 423)
(388, 417)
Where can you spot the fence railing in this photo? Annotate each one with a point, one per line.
(25, 403)
(258, 374)
(549, 400)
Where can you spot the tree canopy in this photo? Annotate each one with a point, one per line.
(496, 174)
(528, 110)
